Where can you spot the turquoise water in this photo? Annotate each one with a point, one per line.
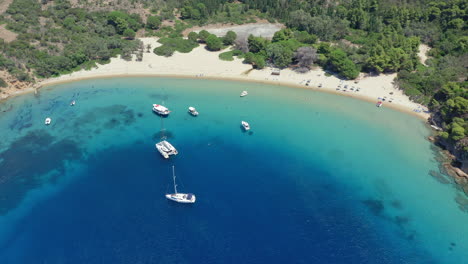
(319, 179)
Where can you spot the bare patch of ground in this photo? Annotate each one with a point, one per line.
(13, 85)
(7, 35)
(259, 29)
(4, 4)
(422, 53)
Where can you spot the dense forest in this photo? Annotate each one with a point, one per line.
(345, 37)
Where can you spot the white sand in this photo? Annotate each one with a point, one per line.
(201, 63)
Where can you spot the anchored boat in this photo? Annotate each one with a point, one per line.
(193, 111)
(166, 149)
(244, 93)
(160, 110)
(180, 197)
(245, 125)
(48, 121)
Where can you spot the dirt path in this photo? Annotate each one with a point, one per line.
(422, 53)
(260, 29)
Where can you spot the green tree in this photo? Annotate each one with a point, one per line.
(214, 43)
(129, 33)
(340, 63)
(256, 44)
(193, 36)
(304, 37)
(203, 35)
(153, 22)
(280, 55)
(283, 34)
(229, 38)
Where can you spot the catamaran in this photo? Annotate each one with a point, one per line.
(180, 197)
(160, 110)
(166, 149)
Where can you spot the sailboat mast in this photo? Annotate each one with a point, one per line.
(173, 175)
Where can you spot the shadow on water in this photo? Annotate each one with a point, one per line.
(167, 134)
(377, 208)
(27, 159)
(159, 96)
(23, 119)
(120, 115)
(248, 132)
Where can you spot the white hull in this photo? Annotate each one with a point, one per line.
(161, 110)
(48, 121)
(245, 125)
(181, 197)
(166, 149)
(244, 93)
(193, 111)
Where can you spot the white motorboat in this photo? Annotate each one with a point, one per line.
(160, 110)
(245, 125)
(244, 93)
(166, 149)
(193, 111)
(72, 103)
(48, 121)
(180, 197)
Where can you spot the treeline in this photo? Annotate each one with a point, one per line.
(61, 39)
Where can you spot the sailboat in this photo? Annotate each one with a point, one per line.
(180, 197)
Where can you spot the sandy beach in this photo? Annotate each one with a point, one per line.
(201, 63)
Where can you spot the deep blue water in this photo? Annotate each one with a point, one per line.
(306, 186)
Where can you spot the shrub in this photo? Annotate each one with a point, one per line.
(214, 43)
(193, 36)
(164, 50)
(3, 83)
(229, 55)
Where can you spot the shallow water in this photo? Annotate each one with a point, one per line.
(319, 179)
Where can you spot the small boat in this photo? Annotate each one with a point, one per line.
(48, 121)
(245, 125)
(166, 149)
(193, 111)
(160, 110)
(379, 104)
(180, 197)
(436, 128)
(72, 103)
(244, 93)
